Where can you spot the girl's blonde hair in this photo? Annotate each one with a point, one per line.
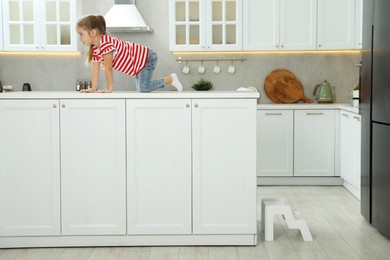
(90, 22)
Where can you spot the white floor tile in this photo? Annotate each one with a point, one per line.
(135, 253)
(223, 253)
(164, 253)
(194, 253)
(82, 253)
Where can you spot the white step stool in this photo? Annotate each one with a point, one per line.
(273, 206)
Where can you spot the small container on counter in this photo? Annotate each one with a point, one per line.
(355, 98)
(8, 88)
(83, 84)
(26, 87)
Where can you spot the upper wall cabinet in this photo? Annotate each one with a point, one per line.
(261, 25)
(336, 24)
(1, 28)
(358, 24)
(279, 24)
(252, 25)
(200, 25)
(39, 25)
(298, 24)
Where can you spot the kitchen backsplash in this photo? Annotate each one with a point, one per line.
(61, 72)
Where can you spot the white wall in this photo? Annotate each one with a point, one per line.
(61, 72)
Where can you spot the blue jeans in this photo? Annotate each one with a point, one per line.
(143, 80)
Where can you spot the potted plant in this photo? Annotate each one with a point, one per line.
(203, 85)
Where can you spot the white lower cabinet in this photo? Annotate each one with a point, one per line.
(102, 172)
(275, 142)
(224, 166)
(29, 168)
(198, 152)
(159, 166)
(350, 130)
(314, 143)
(296, 143)
(93, 167)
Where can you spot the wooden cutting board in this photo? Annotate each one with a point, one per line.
(272, 79)
(290, 91)
(281, 86)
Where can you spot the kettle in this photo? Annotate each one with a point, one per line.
(324, 92)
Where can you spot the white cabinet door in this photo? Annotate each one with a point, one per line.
(350, 130)
(159, 166)
(29, 168)
(356, 158)
(39, 25)
(200, 25)
(346, 143)
(224, 25)
(21, 25)
(187, 23)
(58, 26)
(358, 24)
(1, 27)
(336, 24)
(224, 166)
(298, 24)
(93, 167)
(275, 142)
(314, 143)
(261, 25)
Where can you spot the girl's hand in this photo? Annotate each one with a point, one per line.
(105, 90)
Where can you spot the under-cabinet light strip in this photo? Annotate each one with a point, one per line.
(32, 53)
(222, 59)
(183, 53)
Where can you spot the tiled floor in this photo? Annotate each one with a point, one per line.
(333, 215)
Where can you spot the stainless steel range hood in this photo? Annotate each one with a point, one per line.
(124, 16)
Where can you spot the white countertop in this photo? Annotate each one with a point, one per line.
(127, 95)
(173, 95)
(312, 106)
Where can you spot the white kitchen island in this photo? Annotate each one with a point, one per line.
(127, 168)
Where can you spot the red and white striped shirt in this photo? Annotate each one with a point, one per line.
(128, 57)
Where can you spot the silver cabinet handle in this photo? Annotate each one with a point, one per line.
(273, 114)
(63, 105)
(357, 118)
(187, 105)
(314, 114)
(196, 105)
(54, 106)
(346, 115)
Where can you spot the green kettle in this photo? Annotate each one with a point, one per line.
(324, 92)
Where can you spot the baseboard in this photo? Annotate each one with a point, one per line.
(352, 189)
(295, 181)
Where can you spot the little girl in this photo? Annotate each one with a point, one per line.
(127, 57)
